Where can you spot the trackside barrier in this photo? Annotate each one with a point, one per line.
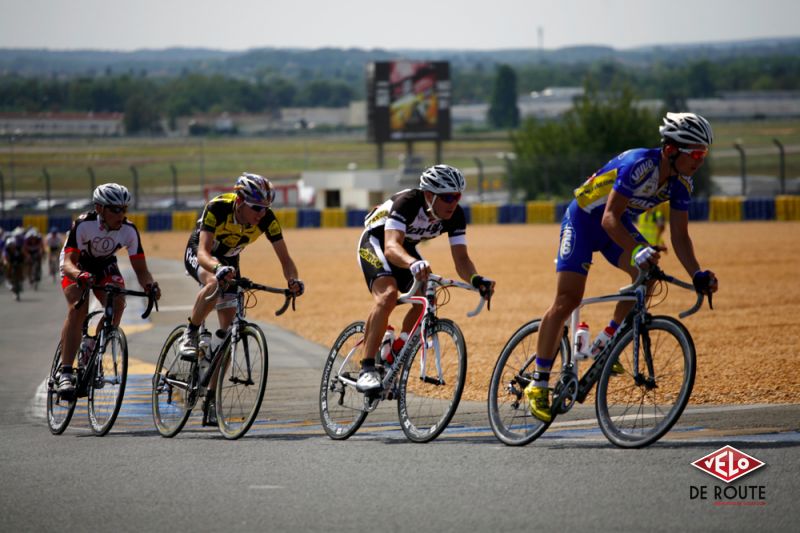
(484, 214)
(37, 221)
(287, 217)
(511, 214)
(184, 220)
(787, 207)
(725, 209)
(139, 219)
(355, 217)
(159, 221)
(541, 212)
(333, 217)
(759, 209)
(9, 223)
(308, 218)
(61, 223)
(698, 209)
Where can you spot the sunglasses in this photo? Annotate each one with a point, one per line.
(449, 197)
(698, 154)
(256, 207)
(117, 209)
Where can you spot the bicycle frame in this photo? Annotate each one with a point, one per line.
(425, 321)
(637, 293)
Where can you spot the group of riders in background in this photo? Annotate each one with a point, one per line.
(22, 252)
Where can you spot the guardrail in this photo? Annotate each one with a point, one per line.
(715, 209)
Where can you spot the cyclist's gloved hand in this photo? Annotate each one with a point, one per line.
(642, 256)
(484, 285)
(84, 280)
(223, 272)
(705, 282)
(420, 269)
(297, 286)
(154, 289)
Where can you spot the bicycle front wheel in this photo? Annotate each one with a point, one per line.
(509, 413)
(171, 401)
(632, 412)
(107, 386)
(241, 381)
(59, 410)
(341, 406)
(431, 382)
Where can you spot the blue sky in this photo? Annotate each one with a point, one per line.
(410, 24)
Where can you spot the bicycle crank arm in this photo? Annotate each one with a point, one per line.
(432, 381)
(240, 381)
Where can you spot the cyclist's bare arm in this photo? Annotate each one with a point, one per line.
(464, 265)
(612, 223)
(139, 265)
(393, 249)
(681, 242)
(71, 269)
(287, 263)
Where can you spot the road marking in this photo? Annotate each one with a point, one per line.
(265, 487)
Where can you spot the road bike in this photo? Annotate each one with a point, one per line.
(634, 409)
(35, 271)
(426, 378)
(52, 263)
(102, 367)
(239, 363)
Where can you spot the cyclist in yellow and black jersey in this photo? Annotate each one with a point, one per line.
(229, 223)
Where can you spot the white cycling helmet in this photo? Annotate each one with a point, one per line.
(255, 189)
(440, 179)
(686, 128)
(111, 194)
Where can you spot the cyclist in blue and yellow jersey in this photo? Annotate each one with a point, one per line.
(229, 223)
(391, 262)
(601, 219)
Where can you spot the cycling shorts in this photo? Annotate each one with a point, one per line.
(192, 265)
(582, 234)
(374, 264)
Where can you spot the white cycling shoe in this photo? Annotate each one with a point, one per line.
(369, 380)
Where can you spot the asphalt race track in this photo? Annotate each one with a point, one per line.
(286, 474)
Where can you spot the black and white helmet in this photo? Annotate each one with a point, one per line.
(686, 128)
(440, 179)
(255, 189)
(111, 194)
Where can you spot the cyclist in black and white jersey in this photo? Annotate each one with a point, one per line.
(390, 260)
(89, 257)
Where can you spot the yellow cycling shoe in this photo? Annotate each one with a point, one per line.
(617, 369)
(539, 400)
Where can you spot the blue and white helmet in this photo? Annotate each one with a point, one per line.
(111, 194)
(255, 189)
(686, 128)
(440, 179)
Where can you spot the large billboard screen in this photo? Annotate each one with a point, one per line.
(408, 100)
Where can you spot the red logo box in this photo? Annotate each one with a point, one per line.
(728, 464)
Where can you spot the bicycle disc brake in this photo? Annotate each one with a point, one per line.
(565, 393)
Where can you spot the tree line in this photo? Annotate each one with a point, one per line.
(146, 100)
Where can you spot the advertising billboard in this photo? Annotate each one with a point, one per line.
(408, 100)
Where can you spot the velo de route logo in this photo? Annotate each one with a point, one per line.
(729, 464)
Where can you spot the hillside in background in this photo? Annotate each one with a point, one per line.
(348, 64)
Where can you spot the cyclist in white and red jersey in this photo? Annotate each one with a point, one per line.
(390, 260)
(601, 218)
(89, 257)
(34, 250)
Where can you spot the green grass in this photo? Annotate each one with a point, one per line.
(220, 160)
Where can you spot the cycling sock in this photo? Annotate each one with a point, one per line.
(542, 374)
(66, 369)
(368, 363)
(192, 328)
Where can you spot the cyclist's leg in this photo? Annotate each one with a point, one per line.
(71, 331)
(112, 276)
(384, 294)
(613, 254)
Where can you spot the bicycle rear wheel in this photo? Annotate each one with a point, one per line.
(431, 382)
(59, 410)
(341, 406)
(241, 381)
(509, 414)
(107, 387)
(171, 400)
(635, 413)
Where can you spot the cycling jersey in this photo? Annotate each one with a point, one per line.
(53, 241)
(230, 236)
(405, 211)
(98, 245)
(33, 245)
(633, 174)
